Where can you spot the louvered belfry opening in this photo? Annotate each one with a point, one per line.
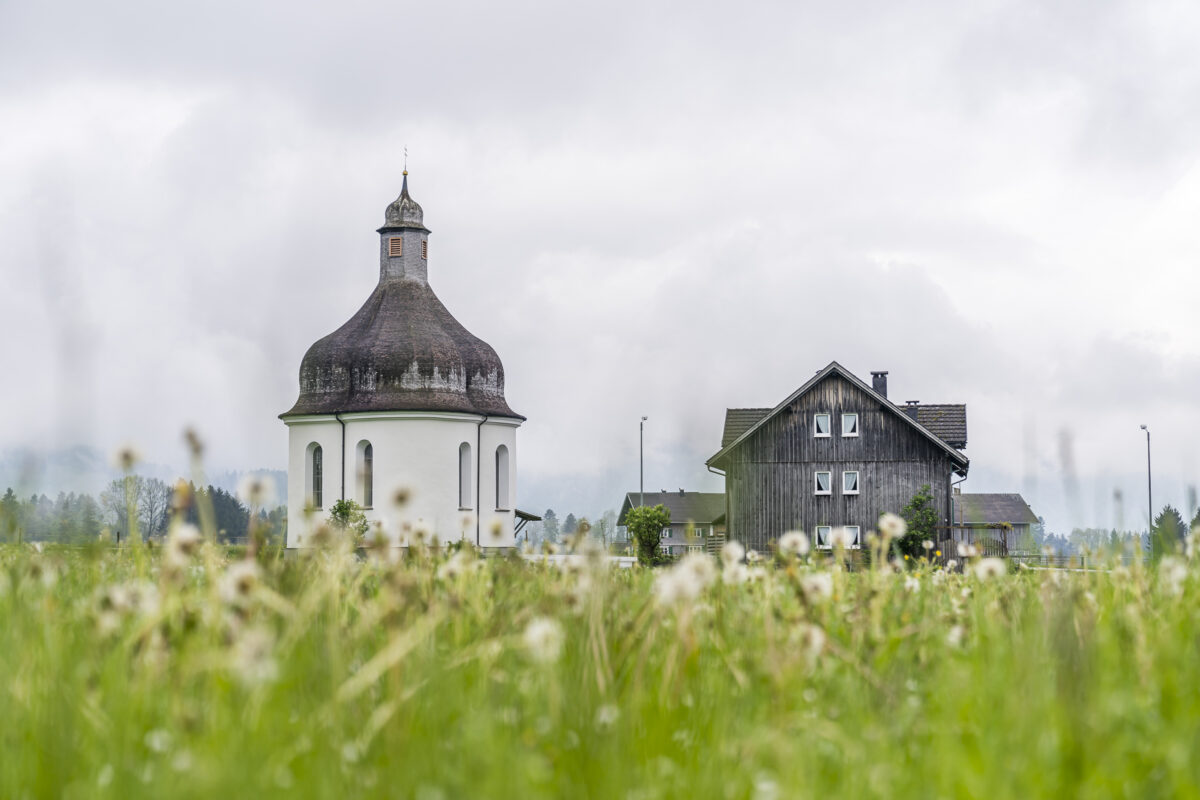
(395, 247)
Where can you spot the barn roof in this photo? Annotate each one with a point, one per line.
(950, 419)
(992, 509)
(703, 507)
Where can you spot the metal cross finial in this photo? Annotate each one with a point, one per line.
(405, 159)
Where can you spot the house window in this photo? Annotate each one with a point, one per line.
(850, 482)
(464, 476)
(395, 247)
(425, 249)
(822, 483)
(821, 425)
(666, 533)
(849, 424)
(366, 473)
(824, 533)
(502, 493)
(853, 536)
(699, 531)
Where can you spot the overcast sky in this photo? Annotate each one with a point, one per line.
(646, 208)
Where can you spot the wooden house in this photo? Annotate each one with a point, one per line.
(998, 524)
(697, 518)
(835, 453)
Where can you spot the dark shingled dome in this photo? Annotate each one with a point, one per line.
(402, 351)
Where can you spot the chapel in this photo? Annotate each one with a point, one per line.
(402, 410)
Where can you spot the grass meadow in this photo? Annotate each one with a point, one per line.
(188, 672)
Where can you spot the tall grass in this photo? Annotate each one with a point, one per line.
(187, 674)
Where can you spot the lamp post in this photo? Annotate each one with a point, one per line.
(641, 462)
(1149, 485)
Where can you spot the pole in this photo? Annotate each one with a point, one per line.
(1149, 488)
(642, 462)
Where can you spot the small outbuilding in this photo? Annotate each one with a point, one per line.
(997, 523)
(697, 519)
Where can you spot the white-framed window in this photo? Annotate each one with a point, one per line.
(823, 537)
(850, 424)
(503, 497)
(850, 482)
(666, 534)
(666, 549)
(822, 482)
(822, 425)
(853, 536)
(698, 531)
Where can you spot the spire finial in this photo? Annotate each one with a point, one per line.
(406, 159)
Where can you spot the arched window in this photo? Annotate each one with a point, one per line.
(366, 473)
(502, 495)
(464, 475)
(314, 467)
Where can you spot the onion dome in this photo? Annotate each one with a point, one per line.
(403, 350)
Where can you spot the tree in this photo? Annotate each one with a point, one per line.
(1167, 534)
(645, 525)
(10, 517)
(1195, 526)
(348, 516)
(922, 520)
(570, 525)
(550, 526)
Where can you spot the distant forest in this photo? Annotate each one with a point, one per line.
(72, 518)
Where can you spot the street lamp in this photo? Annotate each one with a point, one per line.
(641, 462)
(1149, 484)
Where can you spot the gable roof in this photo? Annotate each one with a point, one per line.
(945, 421)
(738, 420)
(992, 509)
(702, 507)
(835, 368)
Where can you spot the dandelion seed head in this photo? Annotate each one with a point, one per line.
(1172, 572)
(256, 491)
(817, 587)
(892, 526)
(607, 716)
(126, 457)
(543, 640)
(194, 442)
(239, 582)
(988, 568)
(926, 545)
(753, 556)
(401, 497)
(735, 573)
(811, 639)
(954, 636)
(794, 544)
(732, 552)
(840, 538)
(253, 656)
(912, 584)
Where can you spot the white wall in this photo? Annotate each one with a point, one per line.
(416, 451)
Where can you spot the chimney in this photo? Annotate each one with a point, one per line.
(910, 408)
(879, 382)
(681, 493)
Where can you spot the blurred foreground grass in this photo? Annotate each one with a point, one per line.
(186, 674)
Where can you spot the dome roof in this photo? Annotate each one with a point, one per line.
(404, 212)
(402, 351)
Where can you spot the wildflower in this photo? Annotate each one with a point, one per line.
(239, 582)
(793, 544)
(183, 543)
(401, 497)
(927, 545)
(685, 581)
(732, 552)
(989, 568)
(811, 639)
(497, 535)
(951, 564)
(753, 557)
(194, 443)
(937, 553)
(181, 496)
(912, 584)
(256, 491)
(544, 640)
(735, 573)
(253, 656)
(1172, 572)
(126, 458)
(158, 740)
(954, 636)
(607, 716)
(817, 587)
(840, 538)
(892, 526)
(456, 566)
(700, 567)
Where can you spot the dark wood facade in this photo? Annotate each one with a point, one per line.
(770, 471)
